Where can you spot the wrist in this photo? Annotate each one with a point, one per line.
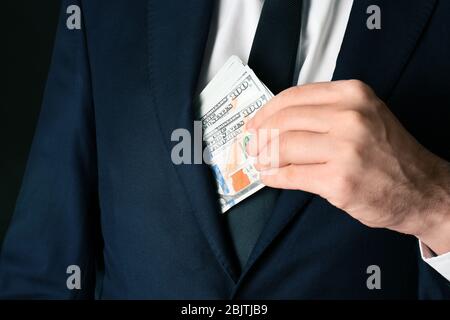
(435, 230)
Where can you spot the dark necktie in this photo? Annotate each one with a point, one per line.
(272, 58)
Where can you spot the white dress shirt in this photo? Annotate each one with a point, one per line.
(323, 27)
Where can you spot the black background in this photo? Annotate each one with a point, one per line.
(27, 34)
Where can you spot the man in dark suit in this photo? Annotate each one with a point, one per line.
(102, 198)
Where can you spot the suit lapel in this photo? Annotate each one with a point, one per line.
(376, 57)
(177, 35)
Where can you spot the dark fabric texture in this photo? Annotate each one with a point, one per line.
(100, 188)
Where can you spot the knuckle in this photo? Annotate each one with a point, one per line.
(284, 143)
(289, 93)
(277, 121)
(288, 112)
(354, 119)
(358, 90)
(281, 119)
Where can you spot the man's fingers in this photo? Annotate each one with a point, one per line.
(295, 147)
(307, 118)
(314, 94)
(310, 178)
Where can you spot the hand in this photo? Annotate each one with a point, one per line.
(340, 141)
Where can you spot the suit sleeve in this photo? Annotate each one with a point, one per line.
(55, 223)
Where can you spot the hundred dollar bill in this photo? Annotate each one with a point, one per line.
(225, 106)
(233, 169)
(222, 80)
(233, 125)
(232, 85)
(215, 108)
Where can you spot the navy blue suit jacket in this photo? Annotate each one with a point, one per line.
(101, 192)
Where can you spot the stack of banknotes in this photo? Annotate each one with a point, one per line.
(225, 106)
